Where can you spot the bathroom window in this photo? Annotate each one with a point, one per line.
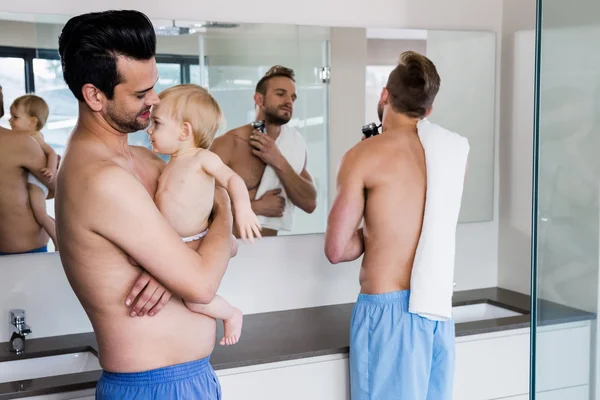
(12, 80)
(50, 85)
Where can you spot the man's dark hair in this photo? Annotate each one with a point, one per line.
(274, 72)
(413, 85)
(90, 45)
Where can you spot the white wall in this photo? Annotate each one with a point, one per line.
(295, 274)
(467, 104)
(516, 144)
(348, 54)
(387, 51)
(430, 14)
(13, 33)
(279, 273)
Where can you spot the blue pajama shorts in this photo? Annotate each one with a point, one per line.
(396, 355)
(193, 380)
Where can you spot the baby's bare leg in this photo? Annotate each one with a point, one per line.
(219, 308)
(37, 200)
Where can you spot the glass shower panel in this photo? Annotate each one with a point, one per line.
(565, 353)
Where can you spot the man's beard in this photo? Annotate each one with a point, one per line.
(380, 112)
(126, 123)
(272, 118)
(1, 107)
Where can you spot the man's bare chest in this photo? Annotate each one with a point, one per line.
(249, 167)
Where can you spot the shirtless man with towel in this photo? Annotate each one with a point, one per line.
(396, 352)
(273, 164)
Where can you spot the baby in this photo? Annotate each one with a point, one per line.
(29, 114)
(184, 124)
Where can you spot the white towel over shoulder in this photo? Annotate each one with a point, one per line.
(292, 146)
(431, 284)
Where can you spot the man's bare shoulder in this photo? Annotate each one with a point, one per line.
(360, 152)
(108, 180)
(147, 155)
(233, 137)
(367, 158)
(228, 144)
(379, 147)
(16, 137)
(242, 132)
(351, 167)
(22, 143)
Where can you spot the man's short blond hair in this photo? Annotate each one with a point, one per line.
(193, 104)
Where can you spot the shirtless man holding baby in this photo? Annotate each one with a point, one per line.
(20, 232)
(106, 216)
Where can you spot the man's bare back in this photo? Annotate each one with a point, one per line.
(395, 185)
(384, 179)
(19, 231)
(99, 271)
(385, 176)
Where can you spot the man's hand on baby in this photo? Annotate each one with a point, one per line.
(221, 201)
(147, 296)
(48, 174)
(248, 225)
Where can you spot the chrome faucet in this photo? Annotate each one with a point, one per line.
(18, 330)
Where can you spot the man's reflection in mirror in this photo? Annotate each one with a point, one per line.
(273, 163)
(24, 230)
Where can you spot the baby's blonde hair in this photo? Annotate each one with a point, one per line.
(34, 106)
(193, 104)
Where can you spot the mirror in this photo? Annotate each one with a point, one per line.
(230, 59)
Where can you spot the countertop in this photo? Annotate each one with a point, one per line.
(283, 335)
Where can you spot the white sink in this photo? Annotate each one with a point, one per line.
(480, 312)
(40, 367)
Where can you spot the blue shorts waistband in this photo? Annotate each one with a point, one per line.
(43, 249)
(171, 373)
(401, 296)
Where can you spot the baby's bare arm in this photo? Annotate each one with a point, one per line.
(51, 156)
(225, 177)
(245, 219)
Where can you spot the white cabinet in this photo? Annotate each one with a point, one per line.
(575, 393)
(317, 378)
(488, 367)
(496, 365)
(491, 366)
